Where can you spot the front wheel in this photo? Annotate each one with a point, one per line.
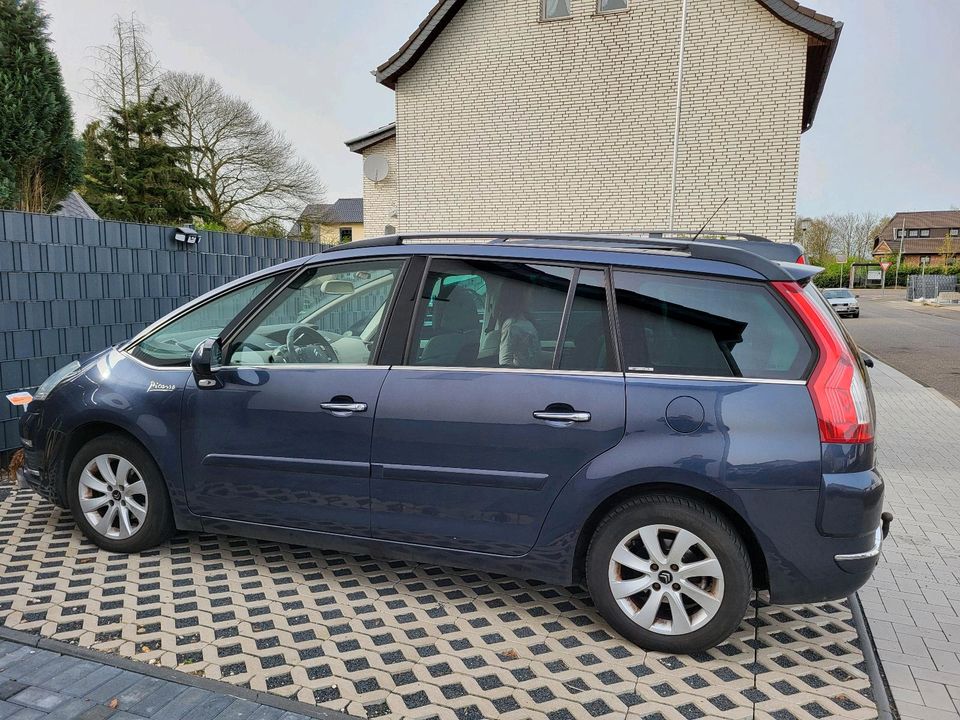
(117, 495)
(669, 573)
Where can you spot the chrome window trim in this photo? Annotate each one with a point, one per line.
(521, 371)
(303, 366)
(715, 378)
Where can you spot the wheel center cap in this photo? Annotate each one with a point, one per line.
(117, 495)
(665, 577)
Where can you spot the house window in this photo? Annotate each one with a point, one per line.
(924, 233)
(556, 9)
(606, 6)
(955, 232)
(346, 234)
(913, 233)
(899, 233)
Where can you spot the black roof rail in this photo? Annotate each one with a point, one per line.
(700, 249)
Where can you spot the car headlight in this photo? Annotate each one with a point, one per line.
(58, 377)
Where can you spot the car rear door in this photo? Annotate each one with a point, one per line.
(509, 386)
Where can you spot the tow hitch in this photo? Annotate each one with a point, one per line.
(885, 519)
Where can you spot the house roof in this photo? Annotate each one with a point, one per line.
(823, 33)
(359, 144)
(344, 210)
(937, 221)
(75, 206)
(911, 246)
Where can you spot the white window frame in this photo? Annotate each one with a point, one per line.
(601, 11)
(545, 18)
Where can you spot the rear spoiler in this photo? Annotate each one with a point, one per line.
(800, 273)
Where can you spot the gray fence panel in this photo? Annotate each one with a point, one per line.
(70, 286)
(929, 286)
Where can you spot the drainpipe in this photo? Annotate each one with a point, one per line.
(676, 118)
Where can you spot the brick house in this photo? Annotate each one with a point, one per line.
(330, 223)
(934, 235)
(598, 115)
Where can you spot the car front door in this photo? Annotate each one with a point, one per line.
(510, 386)
(283, 438)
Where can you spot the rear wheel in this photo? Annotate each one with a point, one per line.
(669, 573)
(117, 495)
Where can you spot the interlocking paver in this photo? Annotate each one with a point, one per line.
(377, 637)
(911, 599)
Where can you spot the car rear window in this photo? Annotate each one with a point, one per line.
(695, 326)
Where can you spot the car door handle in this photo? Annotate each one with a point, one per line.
(344, 407)
(551, 416)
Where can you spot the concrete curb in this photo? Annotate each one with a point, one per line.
(882, 697)
(173, 676)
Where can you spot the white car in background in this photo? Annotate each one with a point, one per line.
(843, 301)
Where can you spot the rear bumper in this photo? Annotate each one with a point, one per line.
(857, 562)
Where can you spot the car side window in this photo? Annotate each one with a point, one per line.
(478, 313)
(173, 344)
(587, 344)
(327, 314)
(697, 326)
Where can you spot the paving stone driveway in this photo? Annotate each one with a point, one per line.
(37, 684)
(374, 638)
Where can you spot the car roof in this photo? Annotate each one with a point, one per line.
(683, 254)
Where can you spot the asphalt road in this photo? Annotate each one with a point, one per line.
(921, 342)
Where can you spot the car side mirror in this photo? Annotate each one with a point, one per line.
(206, 357)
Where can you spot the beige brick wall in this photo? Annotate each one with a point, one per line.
(511, 122)
(381, 200)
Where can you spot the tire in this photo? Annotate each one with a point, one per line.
(710, 541)
(114, 471)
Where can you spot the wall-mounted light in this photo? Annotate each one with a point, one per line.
(186, 235)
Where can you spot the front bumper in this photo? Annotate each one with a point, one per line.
(41, 448)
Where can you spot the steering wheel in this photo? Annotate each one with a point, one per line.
(317, 349)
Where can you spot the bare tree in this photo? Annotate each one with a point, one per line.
(250, 173)
(126, 68)
(816, 236)
(853, 234)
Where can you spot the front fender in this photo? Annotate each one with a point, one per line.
(118, 391)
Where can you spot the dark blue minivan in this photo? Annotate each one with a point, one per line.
(676, 423)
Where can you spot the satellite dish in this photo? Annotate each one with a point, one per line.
(376, 167)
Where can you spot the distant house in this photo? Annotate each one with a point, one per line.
(575, 115)
(934, 235)
(75, 206)
(331, 223)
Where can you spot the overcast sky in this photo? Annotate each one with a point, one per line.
(886, 137)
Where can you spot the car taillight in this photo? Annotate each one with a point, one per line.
(801, 260)
(836, 386)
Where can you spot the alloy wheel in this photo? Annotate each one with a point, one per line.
(113, 496)
(666, 579)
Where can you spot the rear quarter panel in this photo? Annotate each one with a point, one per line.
(754, 436)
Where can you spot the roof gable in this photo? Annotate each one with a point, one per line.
(823, 33)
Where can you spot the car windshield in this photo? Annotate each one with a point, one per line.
(836, 294)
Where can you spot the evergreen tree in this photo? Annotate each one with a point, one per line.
(131, 172)
(40, 160)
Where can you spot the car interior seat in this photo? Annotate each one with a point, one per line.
(456, 341)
